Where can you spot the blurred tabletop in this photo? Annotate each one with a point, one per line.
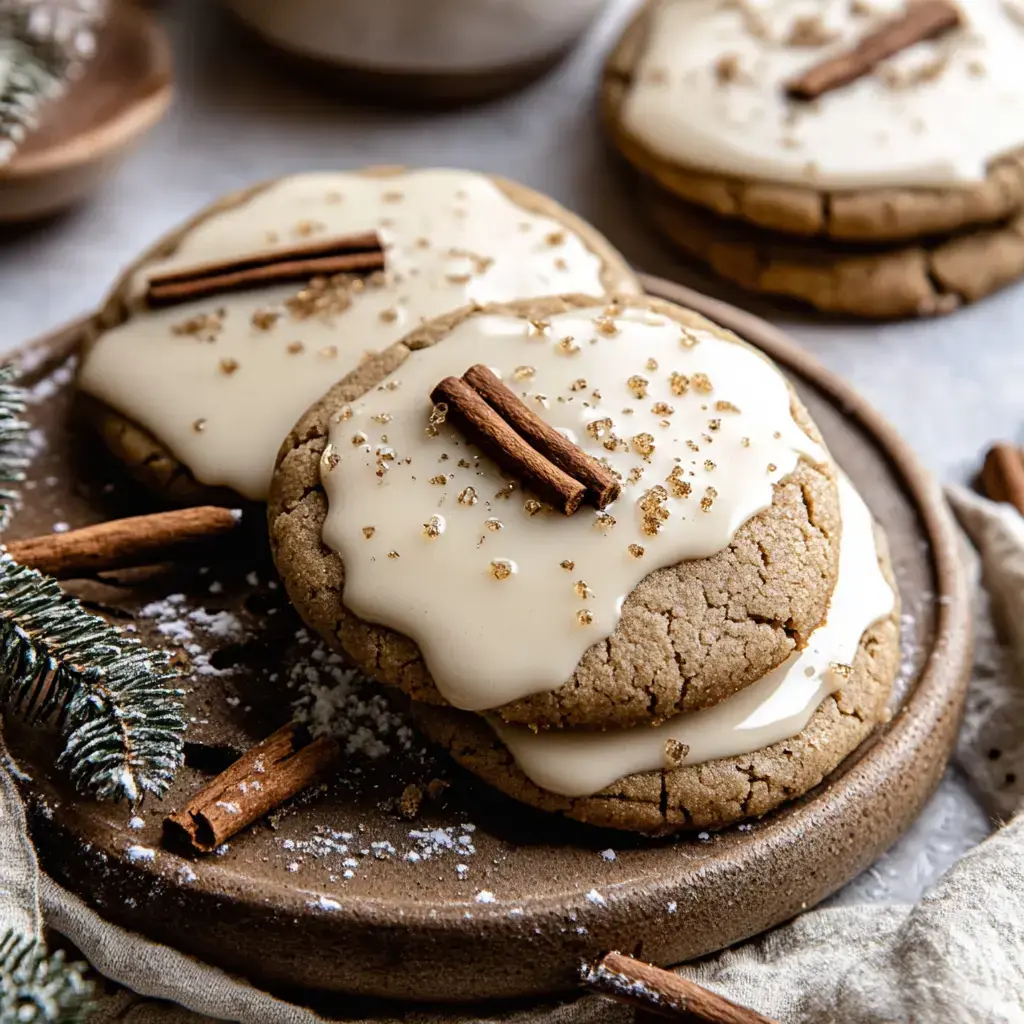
(950, 385)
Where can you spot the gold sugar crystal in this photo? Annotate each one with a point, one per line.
(679, 383)
(678, 487)
(501, 568)
(643, 444)
(638, 385)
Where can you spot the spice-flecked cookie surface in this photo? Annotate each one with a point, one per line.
(929, 142)
(687, 632)
(196, 397)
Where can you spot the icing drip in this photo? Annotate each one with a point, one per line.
(708, 93)
(504, 596)
(773, 709)
(221, 381)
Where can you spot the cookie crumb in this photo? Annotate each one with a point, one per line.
(409, 803)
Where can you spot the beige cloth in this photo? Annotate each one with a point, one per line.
(956, 957)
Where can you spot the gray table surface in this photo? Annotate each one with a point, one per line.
(950, 385)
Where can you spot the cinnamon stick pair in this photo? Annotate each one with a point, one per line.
(338, 255)
(492, 417)
(922, 20)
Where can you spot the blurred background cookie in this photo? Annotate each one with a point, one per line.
(889, 135)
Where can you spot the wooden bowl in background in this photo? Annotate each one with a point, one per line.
(83, 136)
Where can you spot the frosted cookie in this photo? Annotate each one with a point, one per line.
(930, 141)
(197, 395)
(444, 575)
(903, 281)
(743, 757)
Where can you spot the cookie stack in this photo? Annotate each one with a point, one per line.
(597, 541)
(862, 156)
(702, 639)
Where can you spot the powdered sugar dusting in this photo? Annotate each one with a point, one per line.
(175, 621)
(336, 700)
(353, 852)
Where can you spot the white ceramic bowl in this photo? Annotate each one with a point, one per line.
(451, 39)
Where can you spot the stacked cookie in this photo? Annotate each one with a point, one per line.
(598, 542)
(697, 644)
(862, 156)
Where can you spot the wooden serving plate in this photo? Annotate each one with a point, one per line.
(82, 137)
(416, 930)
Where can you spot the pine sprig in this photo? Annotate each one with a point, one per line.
(39, 989)
(42, 46)
(112, 697)
(13, 433)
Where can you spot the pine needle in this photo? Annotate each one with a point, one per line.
(42, 46)
(13, 433)
(120, 718)
(39, 989)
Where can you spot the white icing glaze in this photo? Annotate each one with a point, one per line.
(452, 237)
(775, 708)
(440, 36)
(489, 640)
(934, 115)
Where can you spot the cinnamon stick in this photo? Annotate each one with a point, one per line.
(338, 255)
(664, 994)
(1002, 475)
(922, 19)
(602, 487)
(125, 543)
(273, 771)
(484, 427)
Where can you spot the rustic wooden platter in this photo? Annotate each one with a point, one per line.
(408, 922)
(82, 137)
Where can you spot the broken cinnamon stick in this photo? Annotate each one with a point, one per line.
(484, 427)
(922, 20)
(664, 994)
(325, 257)
(602, 487)
(1002, 475)
(273, 771)
(125, 543)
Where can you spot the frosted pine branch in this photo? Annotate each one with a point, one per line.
(112, 698)
(13, 431)
(39, 989)
(43, 44)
